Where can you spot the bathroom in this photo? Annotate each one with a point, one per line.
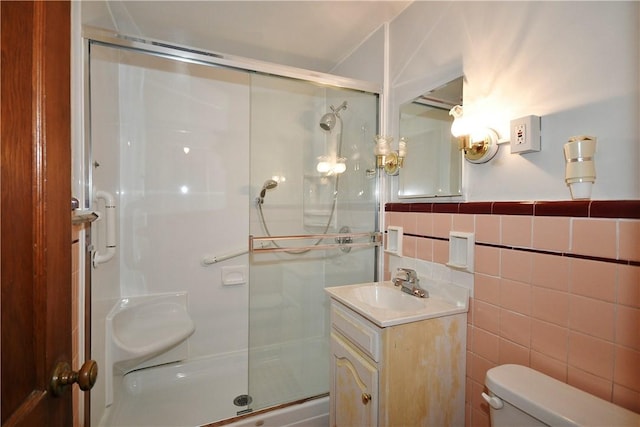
(576, 65)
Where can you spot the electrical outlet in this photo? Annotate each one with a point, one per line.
(521, 130)
(525, 135)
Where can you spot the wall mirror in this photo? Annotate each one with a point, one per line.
(433, 167)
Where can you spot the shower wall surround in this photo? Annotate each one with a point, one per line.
(557, 288)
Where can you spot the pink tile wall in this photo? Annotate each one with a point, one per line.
(558, 294)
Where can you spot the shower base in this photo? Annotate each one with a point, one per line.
(187, 394)
(202, 391)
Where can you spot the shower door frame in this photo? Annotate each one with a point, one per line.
(204, 57)
(109, 38)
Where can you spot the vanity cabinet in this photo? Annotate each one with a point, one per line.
(410, 374)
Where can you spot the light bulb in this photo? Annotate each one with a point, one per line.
(383, 146)
(460, 127)
(402, 147)
(323, 165)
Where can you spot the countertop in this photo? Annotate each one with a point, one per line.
(445, 299)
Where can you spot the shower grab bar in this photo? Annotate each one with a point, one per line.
(343, 240)
(210, 260)
(110, 231)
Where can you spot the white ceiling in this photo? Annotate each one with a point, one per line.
(314, 34)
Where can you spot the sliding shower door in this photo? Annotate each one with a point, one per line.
(170, 143)
(310, 181)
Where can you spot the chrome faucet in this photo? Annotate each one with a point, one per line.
(408, 281)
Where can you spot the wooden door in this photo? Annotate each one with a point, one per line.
(35, 210)
(354, 387)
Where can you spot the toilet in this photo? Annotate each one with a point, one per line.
(521, 396)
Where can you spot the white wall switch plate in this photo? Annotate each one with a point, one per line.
(525, 135)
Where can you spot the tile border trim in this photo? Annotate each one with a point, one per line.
(538, 251)
(625, 209)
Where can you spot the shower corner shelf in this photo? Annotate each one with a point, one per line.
(143, 330)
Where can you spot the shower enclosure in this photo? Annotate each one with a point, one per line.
(225, 190)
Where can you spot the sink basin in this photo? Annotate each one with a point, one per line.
(386, 305)
(389, 299)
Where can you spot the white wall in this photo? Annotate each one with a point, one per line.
(575, 64)
(367, 61)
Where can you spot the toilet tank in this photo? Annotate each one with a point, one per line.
(524, 397)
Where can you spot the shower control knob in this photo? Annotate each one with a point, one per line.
(64, 376)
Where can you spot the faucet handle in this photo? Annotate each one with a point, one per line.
(401, 276)
(411, 275)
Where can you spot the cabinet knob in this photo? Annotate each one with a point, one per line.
(366, 398)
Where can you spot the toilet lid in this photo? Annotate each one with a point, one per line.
(554, 402)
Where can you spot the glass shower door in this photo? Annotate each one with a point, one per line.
(306, 180)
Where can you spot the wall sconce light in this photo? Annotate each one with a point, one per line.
(480, 144)
(331, 166)
(386, 158)
(580, 170)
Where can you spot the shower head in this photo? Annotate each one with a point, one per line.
(268, 185)
(328, 121)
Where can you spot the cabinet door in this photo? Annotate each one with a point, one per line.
(354, 387)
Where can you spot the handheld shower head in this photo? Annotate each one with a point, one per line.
(268, 185)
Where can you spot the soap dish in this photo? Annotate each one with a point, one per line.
(461, 254)
(394, 240)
